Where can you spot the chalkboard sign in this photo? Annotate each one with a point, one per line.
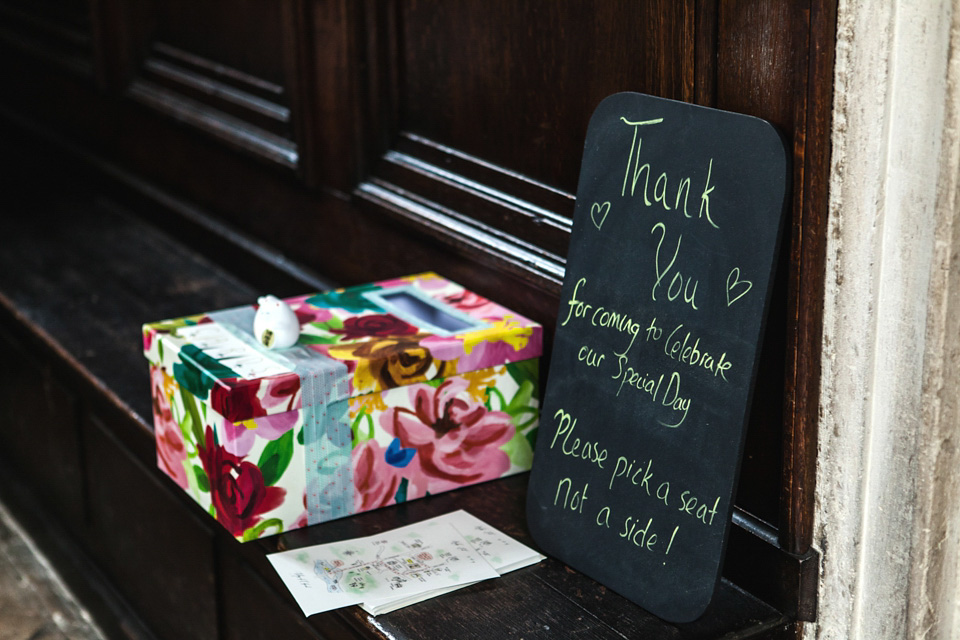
(674, 240)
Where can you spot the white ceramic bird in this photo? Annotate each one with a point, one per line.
(275, 326)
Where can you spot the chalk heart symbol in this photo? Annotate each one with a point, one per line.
(736, 288)
(598, 213)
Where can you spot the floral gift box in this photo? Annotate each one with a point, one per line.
(394, 391)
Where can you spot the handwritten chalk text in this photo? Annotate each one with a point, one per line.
(634, 170)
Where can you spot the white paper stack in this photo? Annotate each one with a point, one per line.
(400, 567)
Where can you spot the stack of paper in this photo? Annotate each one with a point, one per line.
(397, 568)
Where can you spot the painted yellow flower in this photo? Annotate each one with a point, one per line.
(391, 362)
(507, 330)
(369, 402)
(481, 380)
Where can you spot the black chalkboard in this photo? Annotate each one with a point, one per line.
(675, 234)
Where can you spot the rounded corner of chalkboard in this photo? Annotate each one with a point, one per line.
(598, 111)
(689, 614)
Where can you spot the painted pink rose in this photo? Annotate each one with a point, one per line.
(307, 313)
(375, 481)
(279, 393)
(237, 438)
(171, 450)
(457, 439)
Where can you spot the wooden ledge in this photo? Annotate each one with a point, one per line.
(79, 274)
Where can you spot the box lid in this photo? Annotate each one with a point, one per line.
(381, 335)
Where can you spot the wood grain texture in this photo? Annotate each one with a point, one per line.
(39, 429)
(159, 554)
(57, 32)
(541, 601)
(805, 302)
(515, 84)
(322, 44)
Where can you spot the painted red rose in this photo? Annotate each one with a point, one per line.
(378, 325)
(236, 487)
(474, 304)
(236, 399)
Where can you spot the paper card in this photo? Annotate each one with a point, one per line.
(501, 551)
(403, 562)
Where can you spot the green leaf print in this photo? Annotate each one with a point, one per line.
(255, 532)
(192, 427)
(363, 416)
(525, 370)
(198, 372)
(203, 483)
(309, 338)
(519, 450)
(276, 458)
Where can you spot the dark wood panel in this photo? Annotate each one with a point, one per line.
(159, 554)
(218, 67)
(55, 31)
(496, 199)
(515, 83)
(236, 132)
(490, 105)
(761, 50)
(58, 540)
(39, 429)
(242, 34)
(90, 258)
(254, 609)
(781, 35)
(235, 92)
(245, 111)
(325, 71)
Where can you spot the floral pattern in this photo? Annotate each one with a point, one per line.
(375, 481)
(377, 325)
(457, 440)
(391, 362)
(473, 304)
(171, 450)
(237, 487)
(427, 413)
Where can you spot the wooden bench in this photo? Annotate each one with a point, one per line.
(81, 267)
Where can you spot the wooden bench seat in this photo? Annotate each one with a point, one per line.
(80, 270)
